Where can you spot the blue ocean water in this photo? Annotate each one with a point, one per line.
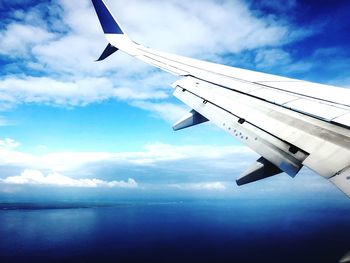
(176, 231)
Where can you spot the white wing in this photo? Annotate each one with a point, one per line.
(290, 123)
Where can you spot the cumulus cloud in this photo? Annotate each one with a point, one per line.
(49, 91)
(166, 163)
(54, 47)
(164, 20)
(35, 177)
(78, 92)
(17, 39)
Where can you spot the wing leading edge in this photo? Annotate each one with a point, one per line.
(290, 123)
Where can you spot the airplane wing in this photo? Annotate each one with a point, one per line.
(289, 123)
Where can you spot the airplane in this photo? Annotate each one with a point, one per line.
(290, 123)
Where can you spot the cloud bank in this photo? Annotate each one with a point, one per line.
(211, 186)
(34, 177)
(191, 167)
(162, 168)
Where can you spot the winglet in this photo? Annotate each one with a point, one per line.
(108, 22)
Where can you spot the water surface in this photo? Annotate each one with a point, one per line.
(177, 231)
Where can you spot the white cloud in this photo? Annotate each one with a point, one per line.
(16, 90)
(199, 168)
(272, 57)
(49, 91)
(167, 111)
(17, 39)
(9, 143)
(165, 151)
(211, 26)
(35, 177)
(152, 154)
(209, 186)
(163, 159)
(65, 57)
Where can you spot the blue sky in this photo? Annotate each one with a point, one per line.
(71, 125)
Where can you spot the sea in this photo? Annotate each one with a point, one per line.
(235, 230)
